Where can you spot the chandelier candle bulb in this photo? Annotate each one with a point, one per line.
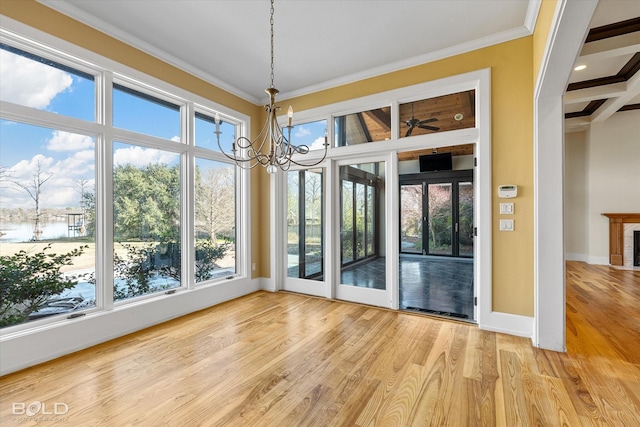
(289, 116)
(217, 120)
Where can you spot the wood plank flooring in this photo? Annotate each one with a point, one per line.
(279, 359)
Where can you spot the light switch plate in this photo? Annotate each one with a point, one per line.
(506, 208)
(506, 225)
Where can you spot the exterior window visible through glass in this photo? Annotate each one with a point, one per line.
(439, 217)
(146, 221)
(465, 209)
(439, 114)
(36, 82)
(363, 127)
(411, 218)
(215, 226)
(139, 112)
(361, 227)
(311, 134)
(47, 223)
(370, 218)
(205, 136)
(305, 224)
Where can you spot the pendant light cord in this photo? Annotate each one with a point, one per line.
(272, 10)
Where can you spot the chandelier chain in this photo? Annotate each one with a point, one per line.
(271, 148)
(272, 10)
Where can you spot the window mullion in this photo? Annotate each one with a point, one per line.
(187, 203)
(104, 196)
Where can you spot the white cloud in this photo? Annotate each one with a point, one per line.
(302, 131)
(139, 157)
(25, 169)
(318, 144)
(175, 138)
(65, 141)
(30, 83)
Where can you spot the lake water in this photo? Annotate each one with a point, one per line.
(23, 231)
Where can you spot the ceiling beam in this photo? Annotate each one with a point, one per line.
(613, 104)
(611, 47)
(613, 30)
(594, 93)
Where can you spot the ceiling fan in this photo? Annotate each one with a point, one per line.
(422, 124)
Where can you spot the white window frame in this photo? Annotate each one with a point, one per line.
(108, 320)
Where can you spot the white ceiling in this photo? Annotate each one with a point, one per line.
(318, 43)
(323, 43)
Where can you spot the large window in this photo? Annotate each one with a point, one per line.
(94, 214)
(47, 230)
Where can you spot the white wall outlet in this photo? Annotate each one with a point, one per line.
(506, 225)
(253, 266)
(506, 208)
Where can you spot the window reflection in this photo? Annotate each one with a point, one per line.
(366, 126)
(362, 225)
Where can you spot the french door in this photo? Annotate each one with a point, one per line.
(363, 274)
(436, 214)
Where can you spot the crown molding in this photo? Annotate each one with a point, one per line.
(112, 31)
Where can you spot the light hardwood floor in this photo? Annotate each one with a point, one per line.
(279, 359)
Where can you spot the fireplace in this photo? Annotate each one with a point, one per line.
(622, 238)
(636, 248)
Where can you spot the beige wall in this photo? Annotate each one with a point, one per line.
(541, 33)
(575, 196)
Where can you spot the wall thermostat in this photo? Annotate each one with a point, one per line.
(507, 191)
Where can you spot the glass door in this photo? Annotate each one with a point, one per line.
(363, 270)
(305, 231)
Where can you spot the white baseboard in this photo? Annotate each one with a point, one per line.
(589, 259)
(267, 284)
(568, 256)
(598, 260)
(506, 323)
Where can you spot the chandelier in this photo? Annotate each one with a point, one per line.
(270, 149)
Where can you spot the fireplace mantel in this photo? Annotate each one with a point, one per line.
(616, 234)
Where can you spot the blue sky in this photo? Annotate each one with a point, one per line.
(69, 157)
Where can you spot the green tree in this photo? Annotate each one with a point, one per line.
(28, 280)
(146, 202)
